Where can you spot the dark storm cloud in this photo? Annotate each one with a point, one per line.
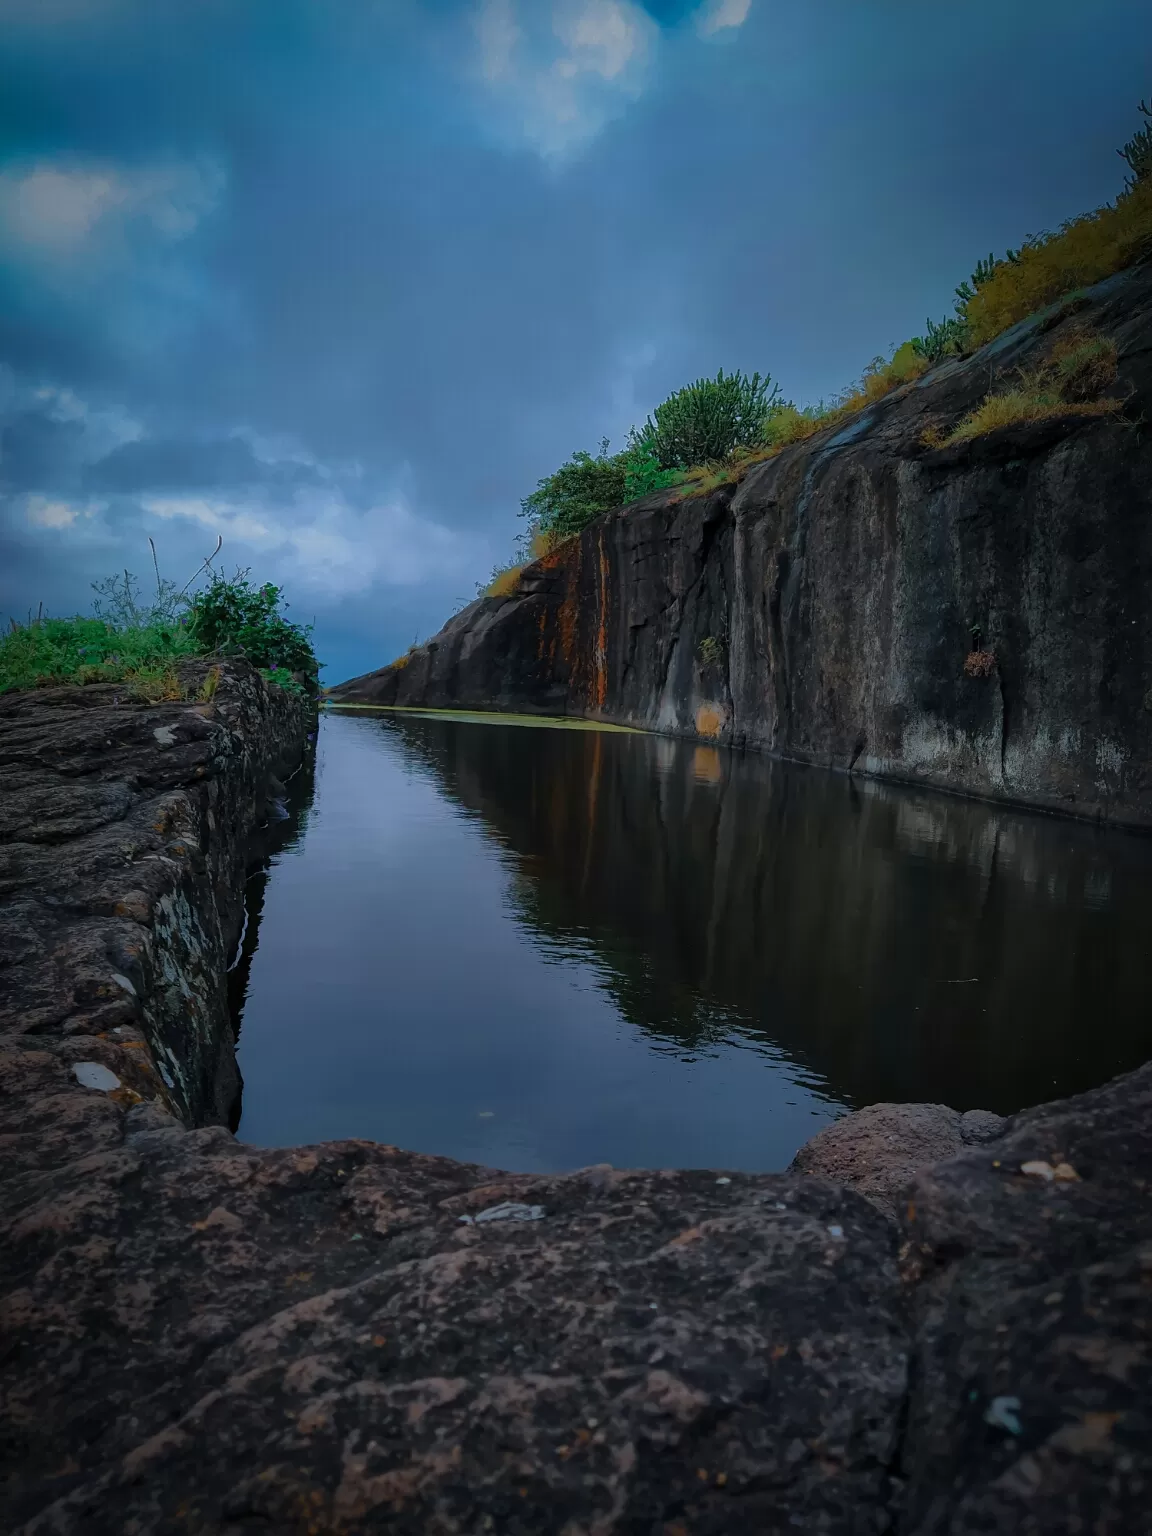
(158, 464)
(38, 453)
(343, 281)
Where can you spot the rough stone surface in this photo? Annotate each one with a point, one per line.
(200, 1338)
(878, 1149)
(823, 609)
(124, 829)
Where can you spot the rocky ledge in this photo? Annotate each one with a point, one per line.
(200, 1336)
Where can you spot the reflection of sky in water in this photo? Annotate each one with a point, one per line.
(543, 949)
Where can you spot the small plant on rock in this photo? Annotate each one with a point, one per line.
(980, 663)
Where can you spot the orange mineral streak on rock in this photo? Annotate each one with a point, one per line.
(568, 613)
(709, 720)
(600, 655)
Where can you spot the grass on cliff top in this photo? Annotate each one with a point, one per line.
(1070, 382)
(1081, 252)
(52, 651)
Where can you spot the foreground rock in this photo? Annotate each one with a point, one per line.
(826, 608)
(877, 1150)
(200, 1336)
(197, 1336)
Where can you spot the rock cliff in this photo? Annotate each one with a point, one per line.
(824, 608)
(124, 832)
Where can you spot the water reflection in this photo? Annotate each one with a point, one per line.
(649, 951)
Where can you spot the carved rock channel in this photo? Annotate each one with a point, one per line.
(200, 1336)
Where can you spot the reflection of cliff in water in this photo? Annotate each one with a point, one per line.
(284, 826)
(902, 945)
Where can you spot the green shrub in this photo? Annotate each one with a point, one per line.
(941, 340)
(1138, 151)
(953, 335)
(565, 502)
(705, 421)
(586, 486)
(231, 617)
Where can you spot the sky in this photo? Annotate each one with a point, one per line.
(339, 280)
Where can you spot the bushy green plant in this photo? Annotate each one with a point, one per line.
(1138, 151)
(941, 340)
(643, 472)
(587, 485)
(565, 502)
(705, 421)
(952, 336)
(232, 617)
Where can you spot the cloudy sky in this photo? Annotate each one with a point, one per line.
(341, 279)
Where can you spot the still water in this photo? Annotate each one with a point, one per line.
(542, 948)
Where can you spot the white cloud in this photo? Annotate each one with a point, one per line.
(718, 15)
(55, 512)
(71, 212)
(105, 427)
(321, 541)
(497, 36)
(559, 70)
(602, 37)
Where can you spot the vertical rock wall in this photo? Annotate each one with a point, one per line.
(124, 830)
(825, 608)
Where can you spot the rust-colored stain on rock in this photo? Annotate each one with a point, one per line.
(710, 720)
(600, 656)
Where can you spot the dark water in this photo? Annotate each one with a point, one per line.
(544, 948)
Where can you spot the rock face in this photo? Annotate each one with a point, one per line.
(203, 1337)
(124, 831)
(824, 609)
(878, 1149)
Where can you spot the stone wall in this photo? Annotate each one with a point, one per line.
(124, 832)
(824, 608)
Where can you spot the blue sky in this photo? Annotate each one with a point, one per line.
(341, 281)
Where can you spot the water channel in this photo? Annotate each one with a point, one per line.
(541, 948)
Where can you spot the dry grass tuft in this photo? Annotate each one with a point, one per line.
(1070, 382)
(980, 664)
(1083, 365)
(505, 583)
(155, 685)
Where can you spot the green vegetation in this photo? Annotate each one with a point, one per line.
(1137, 153)
(706, 421)
(140, 644)
(711, 432)
(565, 502)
